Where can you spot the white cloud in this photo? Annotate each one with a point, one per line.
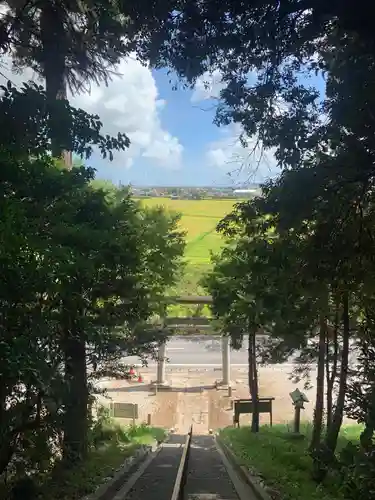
(229, 155)
(208, 86)
(129, 104)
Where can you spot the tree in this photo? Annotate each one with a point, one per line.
(252, 290)
(271, 245)
(78, 131)
(72, 43)
(84, 262)
(324, 146)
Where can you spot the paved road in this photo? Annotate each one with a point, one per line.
(184, 351)
(202, 351)
(190, 351)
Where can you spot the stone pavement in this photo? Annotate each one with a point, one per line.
(192, 397)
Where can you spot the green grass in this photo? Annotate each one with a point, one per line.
(283, 460)
(100, 464)
(199, 219)
(143, 434)
(110, 444)
(116, 444)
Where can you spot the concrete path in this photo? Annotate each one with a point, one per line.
(156, 482)
(210, 476)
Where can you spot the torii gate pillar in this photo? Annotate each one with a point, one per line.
(160, 376)
(225, 351)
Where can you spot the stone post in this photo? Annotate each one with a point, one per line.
(225, 350)
(160, 378)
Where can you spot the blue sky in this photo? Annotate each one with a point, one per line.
(190, 119)
(173, 139)
(192, 124)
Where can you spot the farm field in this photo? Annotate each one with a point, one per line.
(199, 219)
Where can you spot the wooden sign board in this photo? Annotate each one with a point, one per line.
(125, 410)
(242, 406)
(247, 406)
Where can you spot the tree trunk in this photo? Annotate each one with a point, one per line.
(76, 397)
(253, 381)
(3, 407)
(319, 400)
(54, 43)
(329, 391)
(13, 427)
(366, 437)
(331, 368)
(7, 447)
(7, 442)
(334, 430)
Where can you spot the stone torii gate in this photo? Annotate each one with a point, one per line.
(192, 324)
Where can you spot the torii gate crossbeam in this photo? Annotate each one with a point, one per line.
(187, 323)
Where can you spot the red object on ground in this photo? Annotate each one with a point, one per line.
(131, 371)
(140, 378)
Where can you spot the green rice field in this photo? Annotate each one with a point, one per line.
(199, 219)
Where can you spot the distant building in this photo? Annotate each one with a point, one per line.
(244, 192)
